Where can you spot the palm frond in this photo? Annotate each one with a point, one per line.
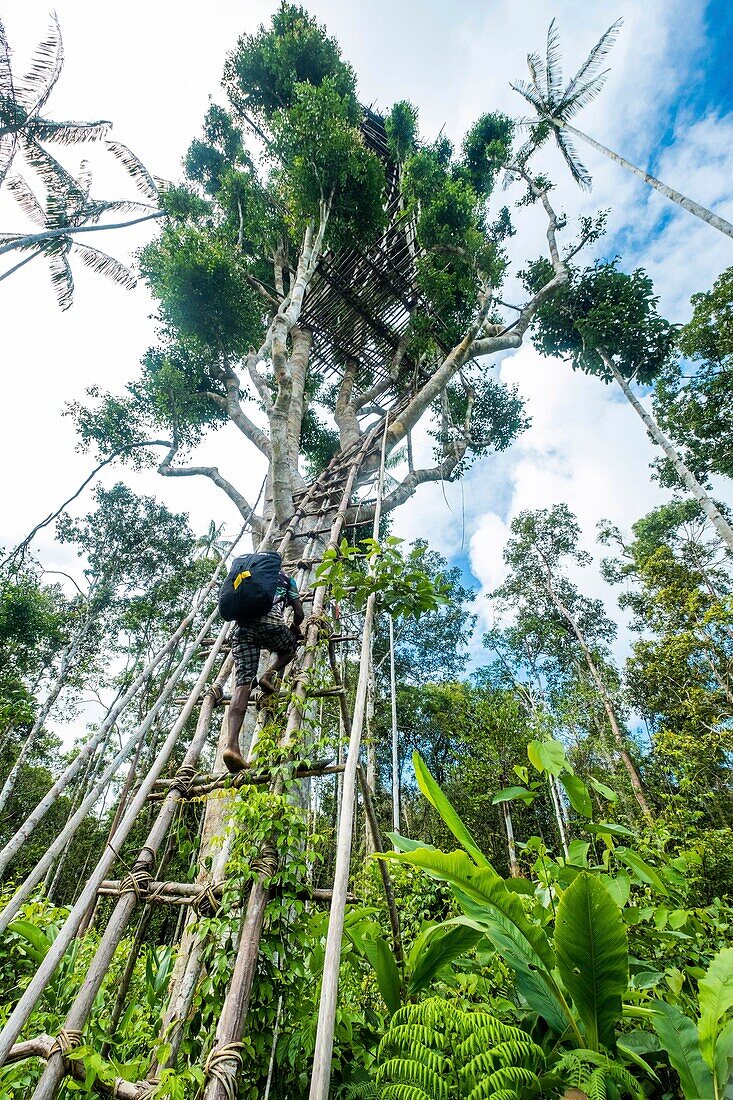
(531, 94)
(62, 279)
(537, 71)
(7, 90)
(94, 209)
(84, 179)
(68, 133)
(26, 200)
(590, 66)
(582, 96)
(553, 78)
(8, 145)
(6, 238)
(105, 265)
(53, 174)
(46, 65)
(578, 171)
(136, 169)
(58, 213)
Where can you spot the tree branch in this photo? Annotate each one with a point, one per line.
(243, 507)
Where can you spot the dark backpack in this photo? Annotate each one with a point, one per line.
(249, 590)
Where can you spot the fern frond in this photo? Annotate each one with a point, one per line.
(408, 1071)
(135, 168)
(46, 64)
(508, 1076)
(402, 1092)
(359, 1090)
(26, 200)
(595, 1086)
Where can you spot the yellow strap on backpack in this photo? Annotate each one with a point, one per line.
(241, 577)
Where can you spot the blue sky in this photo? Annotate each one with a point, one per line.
(152, 68)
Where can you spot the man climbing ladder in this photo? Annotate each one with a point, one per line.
(255, 596)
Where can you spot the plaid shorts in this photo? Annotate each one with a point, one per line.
(268, 632)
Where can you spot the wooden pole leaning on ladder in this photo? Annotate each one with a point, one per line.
(224, 1061)
(321, 1078)
(18, 1018)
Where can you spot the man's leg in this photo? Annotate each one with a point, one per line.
(267, 679)
(235, 718)
(246, 655)
(279, 639)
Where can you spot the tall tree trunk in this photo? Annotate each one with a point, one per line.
(395, 741)
(506, 813)
(690, 205)
(619, 735)
(718, 521)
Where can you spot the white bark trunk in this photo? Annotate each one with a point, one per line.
(718, 521)
(690, 205)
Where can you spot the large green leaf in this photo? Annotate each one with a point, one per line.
(484, 887)
(434, 948)
(435, 796)
(547, 756)
(641, 869)
(678, 1036)
(603, 790)
(369, 942)
(511, 794)
(608, 828)
(577, 792)
(715, 992)
(592, 956)
(724, 1059)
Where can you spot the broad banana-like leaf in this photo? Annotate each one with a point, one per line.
(435, 796)
(435, 948)
(724, 1060)
(370, 943)
(482, 885)
(592, 956)
(715, 992)
(678, 1036)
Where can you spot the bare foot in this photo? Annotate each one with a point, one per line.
(267, 683)
(234, 761)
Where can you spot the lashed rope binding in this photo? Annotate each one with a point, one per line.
(208, 900)
(136, 882)
(222, 1065)
(67, 1040)
(265, 864)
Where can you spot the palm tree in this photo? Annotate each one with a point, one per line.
(556, 103)
(21, 102)
(68, 209)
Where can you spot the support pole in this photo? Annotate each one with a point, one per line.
(320, 1081)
